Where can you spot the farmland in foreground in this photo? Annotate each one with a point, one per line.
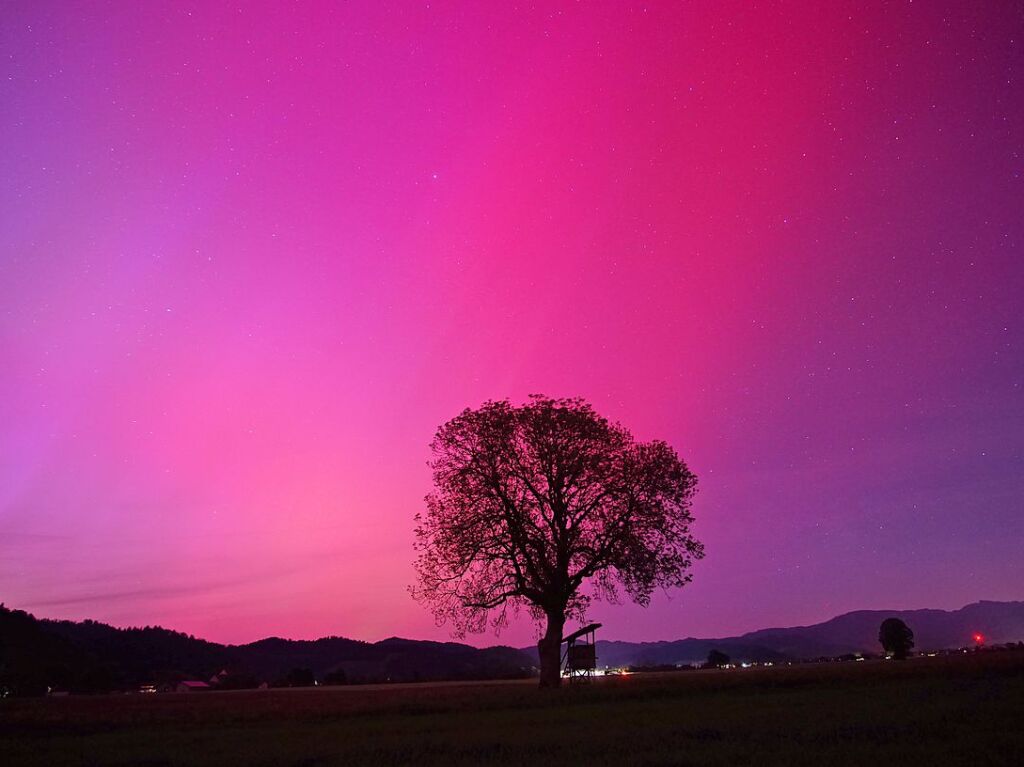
(944, 710)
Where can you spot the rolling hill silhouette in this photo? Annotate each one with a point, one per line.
(851, 632)
(90, 656)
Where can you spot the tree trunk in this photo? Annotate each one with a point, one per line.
(549, 648)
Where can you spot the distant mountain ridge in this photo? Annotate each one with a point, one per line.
(852, 632)
(89, 656)
(93, 657)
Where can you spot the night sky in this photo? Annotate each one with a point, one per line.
(252, 256)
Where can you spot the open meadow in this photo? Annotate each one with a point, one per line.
(945, 710)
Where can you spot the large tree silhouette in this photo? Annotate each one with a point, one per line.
(896, 637)
(545, 506)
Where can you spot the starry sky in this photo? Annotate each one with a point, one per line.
(253, 254)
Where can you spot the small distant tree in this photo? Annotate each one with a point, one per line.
(336, 677)
(544, 506)
(239, 680)
(896, 638)
(717, 659)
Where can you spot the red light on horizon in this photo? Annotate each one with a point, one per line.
(979, 638)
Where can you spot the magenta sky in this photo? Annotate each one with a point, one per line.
(250, 259)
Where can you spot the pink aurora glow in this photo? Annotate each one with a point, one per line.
(251, 257)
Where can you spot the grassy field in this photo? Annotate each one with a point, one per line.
(928, 711)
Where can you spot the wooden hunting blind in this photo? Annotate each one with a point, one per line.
(580, 658)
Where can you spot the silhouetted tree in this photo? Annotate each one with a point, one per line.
(239, 680)
(336, 677)
(896, 637)
(717, 659)
(532, 502)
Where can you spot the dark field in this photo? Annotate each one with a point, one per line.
(929, 711)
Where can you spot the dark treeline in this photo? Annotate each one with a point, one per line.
(90, 657)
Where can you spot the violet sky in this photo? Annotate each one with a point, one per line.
(253, 254)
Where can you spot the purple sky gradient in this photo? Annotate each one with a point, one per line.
(251, 258)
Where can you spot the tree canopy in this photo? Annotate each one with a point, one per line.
(896, 637)
(547, 505)
(717, 659)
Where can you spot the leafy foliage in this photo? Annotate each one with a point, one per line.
(896, 637)
(717, 659)
(545, 506)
